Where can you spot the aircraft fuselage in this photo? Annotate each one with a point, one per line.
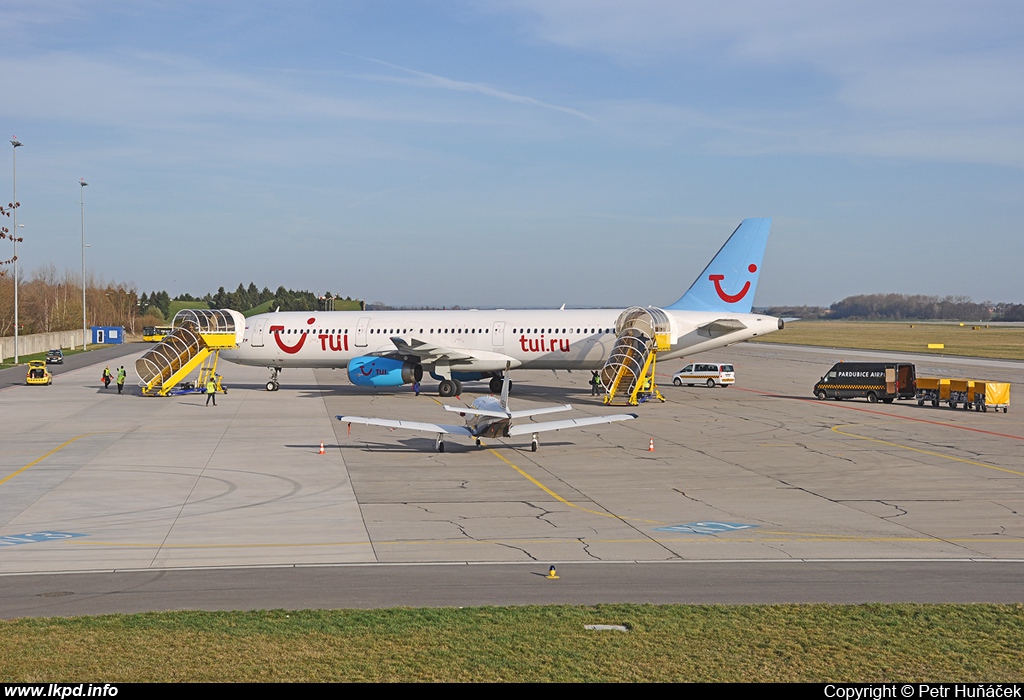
(533, 339)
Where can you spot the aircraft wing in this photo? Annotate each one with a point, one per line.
(720, 327)
(430, 353)
(525, 428)
(408, 425)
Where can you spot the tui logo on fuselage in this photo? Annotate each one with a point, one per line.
(290, 349)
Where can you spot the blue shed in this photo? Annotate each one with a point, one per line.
(107, 335)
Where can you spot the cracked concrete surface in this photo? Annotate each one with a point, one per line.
(165, 483)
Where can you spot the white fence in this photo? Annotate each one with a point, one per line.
(39, 342)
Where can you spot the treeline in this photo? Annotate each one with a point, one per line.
(49, 301)
(156, 306)
(914, 307)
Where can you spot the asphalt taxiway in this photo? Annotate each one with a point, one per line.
(755, 493)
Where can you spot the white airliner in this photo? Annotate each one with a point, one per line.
(392, 348)
(490, 417)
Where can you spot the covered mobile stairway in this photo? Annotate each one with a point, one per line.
(628, 375)
(196, 341)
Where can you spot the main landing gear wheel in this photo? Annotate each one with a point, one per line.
(272, 384)
(447, 388)
(711, 384)
(495, 385)
(439, 445)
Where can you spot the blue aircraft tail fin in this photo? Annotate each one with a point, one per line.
(730, 279)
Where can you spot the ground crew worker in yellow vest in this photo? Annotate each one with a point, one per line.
(121, 375)
(211, 390)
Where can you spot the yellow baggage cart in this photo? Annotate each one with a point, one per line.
(932, 389)
(994, 395)
(961, 392)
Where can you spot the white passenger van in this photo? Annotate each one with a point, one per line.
(709, 373)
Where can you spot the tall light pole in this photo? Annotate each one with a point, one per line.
(84, 184)
(15, 142)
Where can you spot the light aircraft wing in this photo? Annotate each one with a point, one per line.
(430, 353)
(720, 327)
(408, 425)
(525, 428)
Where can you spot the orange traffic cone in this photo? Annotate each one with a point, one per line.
(322, 447)
(650, 447)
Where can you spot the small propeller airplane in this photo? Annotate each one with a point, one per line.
(490, 417)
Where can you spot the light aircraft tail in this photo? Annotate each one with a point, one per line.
(730, 279)
(505, 383)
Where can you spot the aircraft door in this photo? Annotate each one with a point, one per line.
(498, 334)
(257, 333)
(361, 331)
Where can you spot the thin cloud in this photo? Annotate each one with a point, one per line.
(438, 81)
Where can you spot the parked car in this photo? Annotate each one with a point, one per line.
(55, 357)
(710, 373)
(38, 374)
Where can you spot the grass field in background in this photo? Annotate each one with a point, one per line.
(791, 643)
(177, 306)
(971, 339)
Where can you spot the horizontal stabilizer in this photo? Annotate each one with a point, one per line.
(408, 425)
(475, 411)
(526, 413)
(720, 327)
(569, 423)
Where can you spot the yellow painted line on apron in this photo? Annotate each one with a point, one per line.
(558, 498)
(836, 429)
(554, 495)
(40, 459)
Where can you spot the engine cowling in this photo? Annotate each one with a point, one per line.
(369, 370)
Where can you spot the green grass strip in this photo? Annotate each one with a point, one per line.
(817, 643)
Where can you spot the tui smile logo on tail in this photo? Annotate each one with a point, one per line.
(731, 298)
(292, 349)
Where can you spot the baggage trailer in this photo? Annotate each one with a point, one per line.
(874, 381)
(961, 393)
(994, 395)
(932, 389)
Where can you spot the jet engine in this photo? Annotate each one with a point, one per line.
(370, 370)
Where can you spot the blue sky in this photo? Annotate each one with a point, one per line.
(520, 152)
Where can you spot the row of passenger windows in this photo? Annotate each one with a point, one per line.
(330, 331)
(563, 331)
